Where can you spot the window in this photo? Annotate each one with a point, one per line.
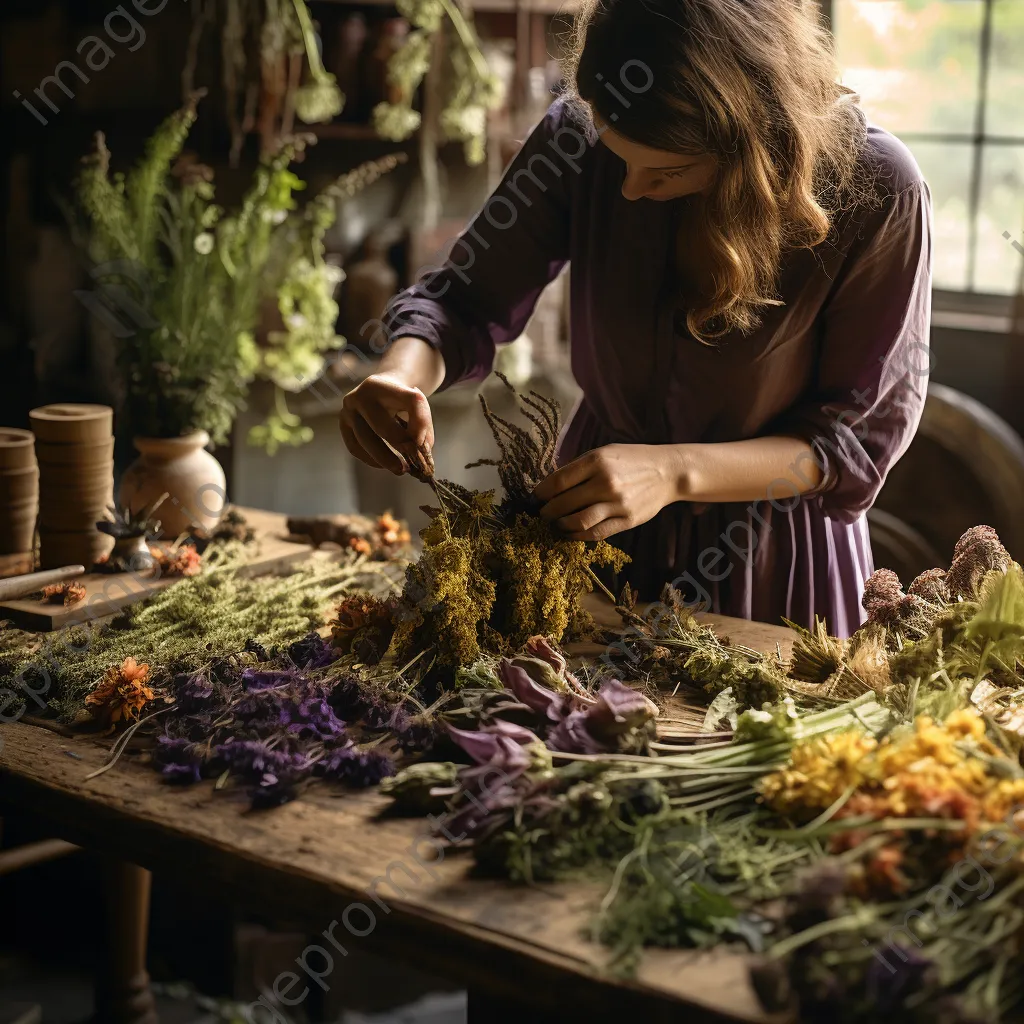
(947, 77)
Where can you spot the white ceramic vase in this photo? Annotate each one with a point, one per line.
(182, 468)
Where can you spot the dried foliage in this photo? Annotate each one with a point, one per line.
(493, 575)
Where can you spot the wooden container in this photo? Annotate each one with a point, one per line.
(18, 485)
(73, 517)
(72, 547)
(61, 493)
(76, 477)
(16, 449)
(17, 526)
(96, 453)
(72, 424)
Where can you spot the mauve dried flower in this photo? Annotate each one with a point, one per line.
(312, 718)
(883, 593)
(256, 758)
(571, 736)
(500, 744)
(931, 586)
(978, 552)
(553, 706)
(619, 709)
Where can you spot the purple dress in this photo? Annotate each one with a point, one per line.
(843, 362)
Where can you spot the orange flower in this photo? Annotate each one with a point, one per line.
(360, 545)
(186, 562)
(64, 593)
(122, 692)
(358, 613)
(391, 532)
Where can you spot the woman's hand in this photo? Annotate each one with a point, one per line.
(611, 489)
(371, 420)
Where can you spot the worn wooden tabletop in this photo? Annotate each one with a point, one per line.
(316, 861)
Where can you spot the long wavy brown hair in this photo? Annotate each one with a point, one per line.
(752, 82)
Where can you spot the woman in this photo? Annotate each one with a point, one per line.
(750, 305)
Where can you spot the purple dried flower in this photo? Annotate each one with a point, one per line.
(886, 989)
(357, 767)
(414, 734)
(499, 744)
(256, 758)
(179, 760)
(619, 709)
(554, 706)
(312, 718)
(261, 679)
(571, 736)
(312, 652)
(543, 649)
(194, 693)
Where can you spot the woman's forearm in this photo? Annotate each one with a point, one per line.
(414, 362)
(760, 469)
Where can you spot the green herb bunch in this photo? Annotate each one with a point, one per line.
(195, 278)
(472, 88)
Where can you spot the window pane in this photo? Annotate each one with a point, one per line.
(947, 169)
(998, 263)
(1006, 81)
(914, 62)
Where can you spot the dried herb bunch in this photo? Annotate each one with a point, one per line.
(492, 574)
(183, 627)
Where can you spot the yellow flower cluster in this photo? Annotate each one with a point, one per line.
(818, 773)
(929, 771)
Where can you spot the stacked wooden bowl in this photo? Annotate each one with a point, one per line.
(75, 450)
(19, 491)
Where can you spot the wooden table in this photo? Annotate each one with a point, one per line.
(316, 859)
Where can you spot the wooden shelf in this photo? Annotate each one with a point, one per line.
(344, 130)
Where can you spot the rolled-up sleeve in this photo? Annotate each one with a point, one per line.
(486, 290)
(871, 379)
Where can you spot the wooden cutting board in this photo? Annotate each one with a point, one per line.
(108, 593)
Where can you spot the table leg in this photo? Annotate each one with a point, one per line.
(123, 995)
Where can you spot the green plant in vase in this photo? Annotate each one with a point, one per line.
(199, 277)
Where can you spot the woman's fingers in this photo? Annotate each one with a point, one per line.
(576, 472)
(348, 435)
(389, 423)
(587, 518)
(573, 500)
(603, 530)
(376, 448)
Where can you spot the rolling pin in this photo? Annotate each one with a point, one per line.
(19, 586)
